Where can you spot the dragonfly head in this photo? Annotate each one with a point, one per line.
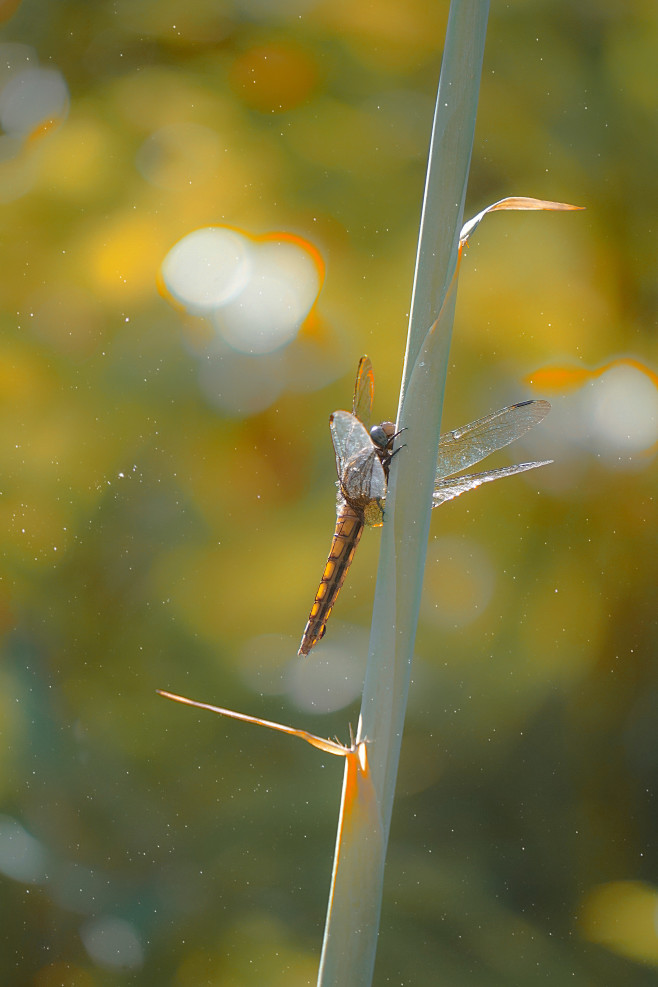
(382, 434)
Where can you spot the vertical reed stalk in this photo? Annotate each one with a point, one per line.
(350, 940)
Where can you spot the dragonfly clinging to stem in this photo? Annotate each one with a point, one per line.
(363, 461)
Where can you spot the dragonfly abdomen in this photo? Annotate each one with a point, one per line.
(349, 527)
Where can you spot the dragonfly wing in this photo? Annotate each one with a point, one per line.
(364, 479)
(340, 500)
(468, 445)
(449, 489)
(360, 472)
(350, 439)
(364, 391)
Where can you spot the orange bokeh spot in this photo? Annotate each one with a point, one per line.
(42, 129)
(565, 378)
(299, 241)
(8, 8)
(273, 78)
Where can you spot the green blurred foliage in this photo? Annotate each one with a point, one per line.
(151, 540)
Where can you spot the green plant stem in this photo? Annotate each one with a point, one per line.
(348, 954)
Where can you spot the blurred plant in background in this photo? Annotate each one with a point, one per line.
(159, 532)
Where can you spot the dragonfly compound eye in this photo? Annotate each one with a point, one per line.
(379, 436)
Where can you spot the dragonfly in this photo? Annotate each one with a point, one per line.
(363, 462)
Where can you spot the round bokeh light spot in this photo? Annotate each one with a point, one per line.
(257, 292)
(206, 269)
(32, 97)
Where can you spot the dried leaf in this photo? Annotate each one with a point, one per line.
(517, 203)
(329, 746)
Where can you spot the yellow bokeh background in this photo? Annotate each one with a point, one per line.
(155, 535)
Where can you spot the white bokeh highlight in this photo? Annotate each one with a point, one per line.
(333, 678)
(206, 269)
(255, 293)
(112, 943)
(622, 408)
(31, 97)
(613, 417)
(22, 857)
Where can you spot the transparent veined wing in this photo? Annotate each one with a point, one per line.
(349, 437)
(360, 472)
(364, 391)
(466, 446)
(454, 487)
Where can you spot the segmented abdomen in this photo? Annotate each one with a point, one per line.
(349, 527)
